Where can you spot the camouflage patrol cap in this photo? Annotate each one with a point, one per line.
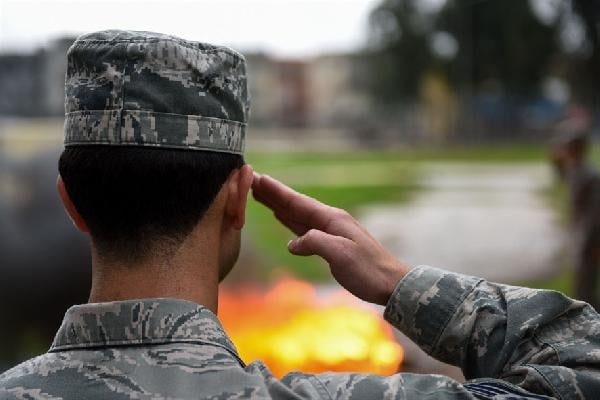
(150, 89)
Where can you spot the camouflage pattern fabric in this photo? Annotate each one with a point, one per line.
(149, 89)
(511, 343)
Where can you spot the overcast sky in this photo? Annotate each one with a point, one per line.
(285, 28)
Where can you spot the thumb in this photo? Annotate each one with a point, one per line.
(316, 242)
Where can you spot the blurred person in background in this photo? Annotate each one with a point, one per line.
(153, 172)
(570, 158)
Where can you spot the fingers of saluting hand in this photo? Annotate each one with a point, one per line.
(315, 242)
(290, 206)
(357, 261)
(297, 227)
(258, 189)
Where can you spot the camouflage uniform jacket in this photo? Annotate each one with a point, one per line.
(506, 340)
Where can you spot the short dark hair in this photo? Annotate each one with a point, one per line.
(139, 200)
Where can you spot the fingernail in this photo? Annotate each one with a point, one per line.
(291, 244)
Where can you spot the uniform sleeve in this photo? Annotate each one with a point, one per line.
(511, 343)
(539, 340)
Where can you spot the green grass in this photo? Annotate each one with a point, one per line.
(501, 153)
(595, 155)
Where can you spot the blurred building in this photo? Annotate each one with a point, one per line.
(319, 92)
(19, 84)
(33, 84)
(264, 89)
(335, 91)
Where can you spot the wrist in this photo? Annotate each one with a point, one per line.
(395, 273)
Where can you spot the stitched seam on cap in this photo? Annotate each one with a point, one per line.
(193, 116)
(212, 149)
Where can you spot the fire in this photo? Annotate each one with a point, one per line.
(291, 328)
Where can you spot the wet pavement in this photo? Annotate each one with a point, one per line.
(489, 220)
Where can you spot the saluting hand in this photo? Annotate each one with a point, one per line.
(356, 260)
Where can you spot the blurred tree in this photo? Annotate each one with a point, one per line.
(512, 44)
(400, 39)
(587, 84)
(499, 41)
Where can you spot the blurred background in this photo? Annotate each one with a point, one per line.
(442, 125)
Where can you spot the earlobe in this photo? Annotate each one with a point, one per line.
(70, 207)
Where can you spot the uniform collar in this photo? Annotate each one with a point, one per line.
(139, 322)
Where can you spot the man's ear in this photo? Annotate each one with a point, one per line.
(239, 183)
(70, 207)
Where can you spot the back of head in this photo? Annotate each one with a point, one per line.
(154, 126)
(139, 201)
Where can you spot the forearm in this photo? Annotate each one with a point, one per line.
(493, 330)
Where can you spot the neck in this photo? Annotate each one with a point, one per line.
(190, 274)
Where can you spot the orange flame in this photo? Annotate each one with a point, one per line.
(290, 328)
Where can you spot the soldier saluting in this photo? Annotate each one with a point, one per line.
(153, 172)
